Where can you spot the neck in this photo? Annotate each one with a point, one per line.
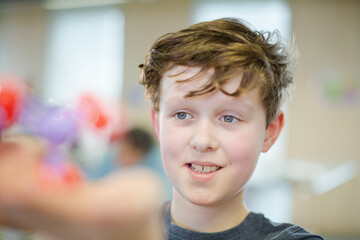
(208, 219)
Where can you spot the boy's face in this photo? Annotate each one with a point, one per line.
(209, 144)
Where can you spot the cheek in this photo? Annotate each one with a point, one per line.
(172, 145)
(243, 149)
(242, 156)
(169, 140)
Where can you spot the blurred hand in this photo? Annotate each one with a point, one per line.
(122, 206)
(20, 158)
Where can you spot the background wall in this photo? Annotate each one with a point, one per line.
(325, 109)
(144, 23)
(324, 112)
(22, 40)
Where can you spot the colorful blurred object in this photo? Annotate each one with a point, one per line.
(11, 98)
(54, 123)
(60, 126)
(91, 111)
(337, 88)
(53, 177)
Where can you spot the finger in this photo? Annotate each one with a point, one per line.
(7, 147)
(25, 145)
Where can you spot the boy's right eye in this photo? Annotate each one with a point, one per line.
(182, 115)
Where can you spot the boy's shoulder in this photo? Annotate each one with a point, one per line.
(254, 226)
(257, 226)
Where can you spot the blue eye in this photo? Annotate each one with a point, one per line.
(229, 119)
(181, 115)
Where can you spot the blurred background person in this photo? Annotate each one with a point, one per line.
(137, 148)
(134, 148)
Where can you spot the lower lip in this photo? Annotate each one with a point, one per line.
(201, 177)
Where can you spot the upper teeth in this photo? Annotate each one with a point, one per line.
(203, 169)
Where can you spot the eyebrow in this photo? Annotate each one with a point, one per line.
(240, 103)
(230, 102)
(176, 100)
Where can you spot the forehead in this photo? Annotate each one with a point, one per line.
(174, 92)
(186, 79)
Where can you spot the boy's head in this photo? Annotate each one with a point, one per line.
(229, 47)
(134, 146)
(216, 88)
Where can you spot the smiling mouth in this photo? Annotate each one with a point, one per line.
(203, 169)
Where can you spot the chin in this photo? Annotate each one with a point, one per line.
(204, 200)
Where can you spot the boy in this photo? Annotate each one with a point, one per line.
(216, 89)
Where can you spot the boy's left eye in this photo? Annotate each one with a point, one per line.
(229, 119)
(182, 115)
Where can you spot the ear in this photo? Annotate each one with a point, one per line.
(155, 121)
(273, 131)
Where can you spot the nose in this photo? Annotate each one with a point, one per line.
(203, 138)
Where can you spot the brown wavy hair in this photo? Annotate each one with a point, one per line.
(229, 47)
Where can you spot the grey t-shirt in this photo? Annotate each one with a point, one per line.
(255, 226)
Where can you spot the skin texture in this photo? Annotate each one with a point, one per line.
(214, 130)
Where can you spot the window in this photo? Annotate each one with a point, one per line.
(84, 53)
(263, 15)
